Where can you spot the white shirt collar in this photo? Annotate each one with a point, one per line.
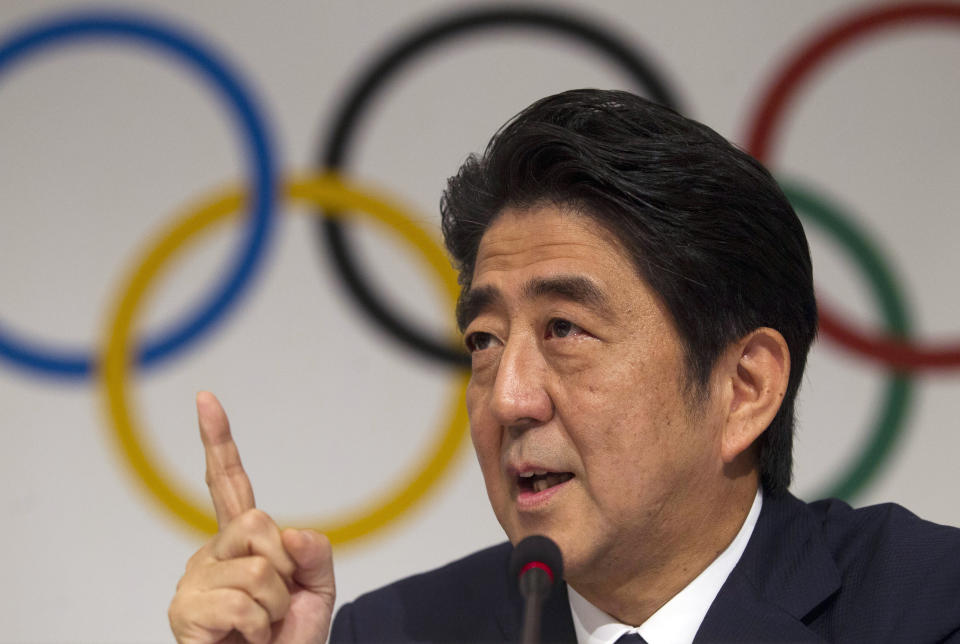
(677, 621)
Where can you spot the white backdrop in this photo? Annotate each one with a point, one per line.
(103, 145)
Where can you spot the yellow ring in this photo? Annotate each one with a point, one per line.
(328, 192)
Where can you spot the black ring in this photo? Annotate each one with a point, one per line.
(391, 59)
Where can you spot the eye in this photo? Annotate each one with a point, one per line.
(478, 341)
(560, 328)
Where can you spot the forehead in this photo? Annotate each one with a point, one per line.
(550, 254)
(549, 238)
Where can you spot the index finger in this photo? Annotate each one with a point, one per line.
(229, 486)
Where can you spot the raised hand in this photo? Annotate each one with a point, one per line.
(251, 582)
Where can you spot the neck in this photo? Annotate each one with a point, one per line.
(633, 587)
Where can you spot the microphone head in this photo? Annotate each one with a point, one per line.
(537, 551)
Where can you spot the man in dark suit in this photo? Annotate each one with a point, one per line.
(638, 302)
(810, 573)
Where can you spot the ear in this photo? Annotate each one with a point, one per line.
(758, 367)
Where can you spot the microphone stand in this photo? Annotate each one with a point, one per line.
(534, 586)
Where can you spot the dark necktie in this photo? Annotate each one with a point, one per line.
(630, 638)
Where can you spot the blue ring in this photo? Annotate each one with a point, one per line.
(74, 364)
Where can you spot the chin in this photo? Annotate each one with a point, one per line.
(574, 557)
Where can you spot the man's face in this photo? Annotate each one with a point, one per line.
(578, 413)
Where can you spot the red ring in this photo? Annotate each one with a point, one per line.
(537, 564)
(773, 105)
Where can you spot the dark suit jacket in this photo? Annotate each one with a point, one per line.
(809, 573)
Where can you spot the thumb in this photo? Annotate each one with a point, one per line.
(312, 553)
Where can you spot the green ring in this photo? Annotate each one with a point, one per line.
(887, 294)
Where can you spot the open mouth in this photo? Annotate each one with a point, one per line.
(540, 481)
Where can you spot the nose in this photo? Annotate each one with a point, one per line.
(520, 396)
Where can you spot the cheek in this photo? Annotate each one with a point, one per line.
(623, 422)
(484, 433)
(487, 444)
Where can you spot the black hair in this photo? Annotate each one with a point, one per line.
(705, 223)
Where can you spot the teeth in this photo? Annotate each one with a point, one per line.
(527, 475)
(540, 480)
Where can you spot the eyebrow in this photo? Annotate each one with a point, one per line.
(573, 288)
(475, 301)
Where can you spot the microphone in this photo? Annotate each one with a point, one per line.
(537, 565)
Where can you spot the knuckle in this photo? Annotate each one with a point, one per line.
(193, 577)
(174, 612)
(253, 622)
(258, 631)
(192, 561)
(239, 606)
(260, 570)
(287, 569)
(180, 611)
(186, 583)
(276, 602)
(255, 521)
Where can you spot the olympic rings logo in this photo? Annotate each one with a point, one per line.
(893, 351)
(328, 192)
(211, 69)
(331, 195)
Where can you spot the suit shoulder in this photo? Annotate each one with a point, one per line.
(444, 604)
(894, 562)
(886, 529)
(867, 574)
(479, 570)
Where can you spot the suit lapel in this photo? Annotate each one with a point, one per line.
(785, 572)
(557, 620)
